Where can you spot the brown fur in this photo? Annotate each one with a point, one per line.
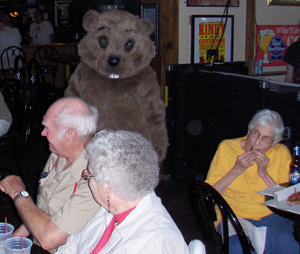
(131, 102)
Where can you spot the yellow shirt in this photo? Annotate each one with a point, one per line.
(241, 194)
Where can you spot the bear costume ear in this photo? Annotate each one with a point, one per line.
(90, 21)
(145, 26)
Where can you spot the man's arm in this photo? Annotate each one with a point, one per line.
(40, 225)
(52, 38)
(36, 221)
(21, 232)
(289, 73)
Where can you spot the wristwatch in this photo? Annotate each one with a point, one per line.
(21, 194)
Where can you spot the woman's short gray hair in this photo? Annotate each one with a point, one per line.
(73, 114)
(266, 118)
(126, 160)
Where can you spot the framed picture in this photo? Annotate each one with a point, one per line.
(63, 13)
(212, 3)
(284, 2)
(151, 12)
(212, 39)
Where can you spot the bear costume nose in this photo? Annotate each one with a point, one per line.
(113, 61)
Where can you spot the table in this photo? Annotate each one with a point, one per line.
(69, 61)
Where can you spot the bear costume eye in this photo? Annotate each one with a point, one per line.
(128, 45)
(103, 42)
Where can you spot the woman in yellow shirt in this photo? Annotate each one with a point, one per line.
(241, 167)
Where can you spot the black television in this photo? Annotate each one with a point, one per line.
(207, 104)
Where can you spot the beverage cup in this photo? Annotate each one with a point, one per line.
(4, 235)
(253, 68)
(14, 246)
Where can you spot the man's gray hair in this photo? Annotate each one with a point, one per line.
(126, 160)
(73, 116)
(267, 118)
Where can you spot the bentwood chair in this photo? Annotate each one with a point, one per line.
(203, 199)
(20, 66)
(10, 89)
(45, 93)
(7, 61)
(48, 67)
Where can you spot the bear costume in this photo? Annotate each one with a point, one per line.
(115, 75)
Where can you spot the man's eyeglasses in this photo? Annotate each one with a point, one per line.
(86, 175)
(265, 139)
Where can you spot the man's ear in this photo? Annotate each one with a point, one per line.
(71, 136)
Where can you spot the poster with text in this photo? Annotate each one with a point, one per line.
(273, 40)
(212, 39)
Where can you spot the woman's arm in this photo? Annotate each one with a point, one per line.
(243, 162)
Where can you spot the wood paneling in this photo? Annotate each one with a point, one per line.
(169, 37)
(250, 31)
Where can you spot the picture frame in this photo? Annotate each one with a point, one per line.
(212, 3)
(151, 12)
(207, 46)
(63, 11)
(284, 2)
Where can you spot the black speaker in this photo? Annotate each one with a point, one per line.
(206, 107)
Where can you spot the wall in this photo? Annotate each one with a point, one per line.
(265, 15)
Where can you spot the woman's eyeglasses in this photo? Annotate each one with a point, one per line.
(86, 175)
(265, 139)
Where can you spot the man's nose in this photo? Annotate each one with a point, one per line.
(43, 133)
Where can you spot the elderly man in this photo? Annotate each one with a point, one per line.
(64, 203)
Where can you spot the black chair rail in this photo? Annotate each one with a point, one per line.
(203, 198)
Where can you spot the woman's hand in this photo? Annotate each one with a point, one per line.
(244, 161)
(262, 162)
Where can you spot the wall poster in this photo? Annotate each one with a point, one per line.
(63, 13)
(272, 42)
(212, 39)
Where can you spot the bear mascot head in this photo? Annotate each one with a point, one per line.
(115, 75)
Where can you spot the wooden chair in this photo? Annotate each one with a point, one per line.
(7, 61)
(48, 67)
(203, 199)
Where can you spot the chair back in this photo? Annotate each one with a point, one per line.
(20, 66)
(203, 199)
(7, 60)
(39, 55)
(27, 99)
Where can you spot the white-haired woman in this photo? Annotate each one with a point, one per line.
(241, 167)
(123, 171)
